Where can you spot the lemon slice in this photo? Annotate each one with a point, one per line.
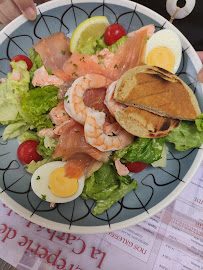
(93, 27)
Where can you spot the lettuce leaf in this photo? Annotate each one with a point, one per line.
(8, 112)
(199, 122)
(116, 195)
(143, 150)
(37, 103)
(33, 166)
(18, 117)
(163, 161)
(186, 136)
(93, 46)
(88, 47)
(114, 47)
(29, 135)
(37, 62)
(11, 92)
(15, 129)
(107, 187)
(46, 146)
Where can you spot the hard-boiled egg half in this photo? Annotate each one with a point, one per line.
(49, 183)
(164, 50)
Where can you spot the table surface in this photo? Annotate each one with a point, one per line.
(6, 266)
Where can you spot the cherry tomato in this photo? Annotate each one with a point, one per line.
(136, 166)
(113, 33)
(18, 58)
(27, 151)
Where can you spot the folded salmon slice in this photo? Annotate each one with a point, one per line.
(112, 66)
(72, 141)
(74, 149)
(94, 98)
(78, 165)
(54, 51)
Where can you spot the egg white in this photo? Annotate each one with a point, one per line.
(41, 186)
(169, 39)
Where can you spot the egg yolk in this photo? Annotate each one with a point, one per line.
(161, 57)
(60, 185)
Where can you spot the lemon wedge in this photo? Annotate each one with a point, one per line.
(93, 27)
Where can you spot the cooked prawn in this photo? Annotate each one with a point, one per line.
(109, 101)
(74, 104)
(95, 135)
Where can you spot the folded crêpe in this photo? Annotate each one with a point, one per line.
(144, 124)
(156, 100)
(158, 91)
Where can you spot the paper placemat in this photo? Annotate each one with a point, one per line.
(172, 239)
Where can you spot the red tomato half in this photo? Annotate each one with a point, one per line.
(136, 166)
(113, 33)
(18, 58)
(27, 151)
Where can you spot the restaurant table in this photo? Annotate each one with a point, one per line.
(6, 266)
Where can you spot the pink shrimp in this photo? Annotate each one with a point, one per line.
(109, 101)
(95, 135)
(74, 104)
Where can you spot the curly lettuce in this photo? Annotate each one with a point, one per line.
(106, 187)
(11, 92)
(187, 135)
(199, 122)
(35, 105)
(46, 146)
(15, 129)
(29, 135)
(93, 46)
(33, 166)
(142, 150)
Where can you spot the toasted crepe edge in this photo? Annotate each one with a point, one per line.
(120, 91)
(134, 126)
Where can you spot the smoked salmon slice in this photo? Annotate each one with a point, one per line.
(54, 51)
(94, 98)
(78, 165)
(72, 141)
(112, 66)
(74, 149)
